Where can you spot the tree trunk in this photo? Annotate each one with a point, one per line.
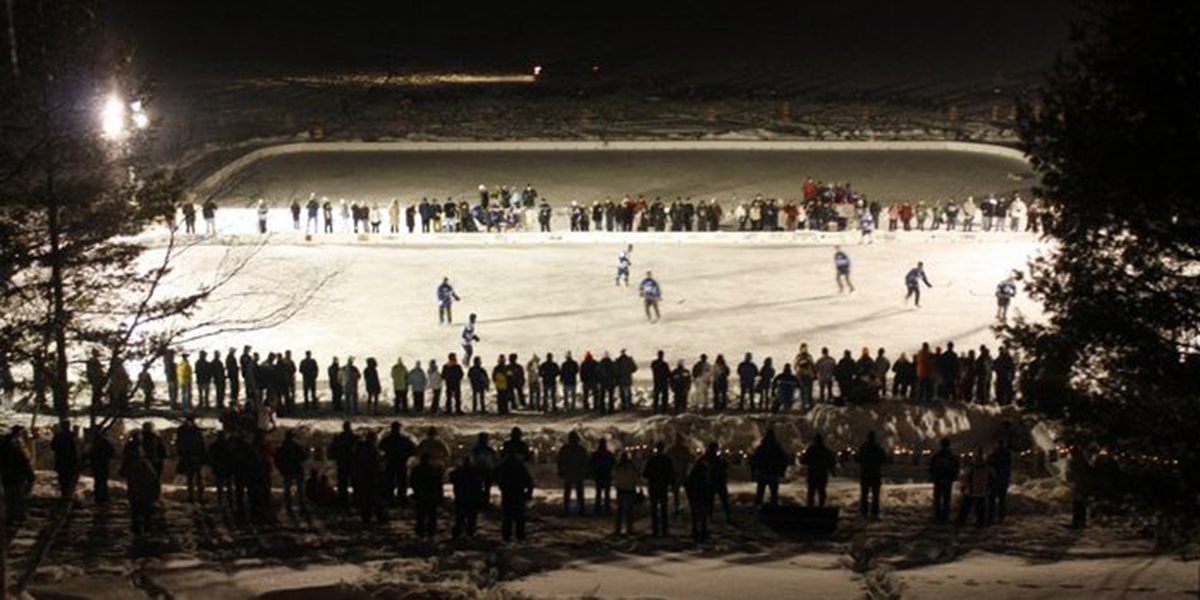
(13, 55)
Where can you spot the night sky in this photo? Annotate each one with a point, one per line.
(936, 38)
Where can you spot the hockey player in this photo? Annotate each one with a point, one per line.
(468, 339)
(913, 280)
(842, 262)
(446, 297)
(651, 294)
(1005, 291)
(623, 264)
(867, 226)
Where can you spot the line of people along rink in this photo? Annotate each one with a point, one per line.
(380, 476)
(821, 207)
(601, 382)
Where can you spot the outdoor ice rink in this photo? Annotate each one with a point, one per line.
(726, 295)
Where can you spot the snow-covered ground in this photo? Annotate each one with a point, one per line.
(718, 299)
(586, 175)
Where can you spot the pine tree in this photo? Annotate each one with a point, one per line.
(1116, 143)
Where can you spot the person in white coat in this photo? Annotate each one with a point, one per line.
(262, 215)
(433, 377)
(1017, 213)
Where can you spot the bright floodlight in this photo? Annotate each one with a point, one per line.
(112, 118)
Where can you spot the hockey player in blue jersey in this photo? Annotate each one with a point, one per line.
(623, 264)
(651, 294)
(842, 262)
(913, 281)
(1005, 291)
(446, 297)
(468, 339)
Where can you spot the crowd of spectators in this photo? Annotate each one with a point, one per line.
(820, 207)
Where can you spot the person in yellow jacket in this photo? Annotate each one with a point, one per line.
(183, 377)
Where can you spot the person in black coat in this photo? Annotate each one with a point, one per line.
(480, 382)
(699, 486)
(468, 497)
(216, 369)
(373, 385)
(100, 455)
(589, 379)
(334, 375)
(452, 377)
(397, 450)
(719, 471)
(747, 373)
(368, 480)
(426, 482)
(569, 374)
(844, 374)
(308, 380)
(681, 387)
(191, 454)
(660, 479)
(341, 450)
(661, 373)
(220, 460)
(768, 465)
(947, 365)
(548, 372)
(600, 467)
(231, 373)
(944, 468)
(870, 459)
(289, 461)
(516, 490)
(66, 458)
(820, 464)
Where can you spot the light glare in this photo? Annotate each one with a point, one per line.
(112, 118)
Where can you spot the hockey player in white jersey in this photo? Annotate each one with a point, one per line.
(469, 337)
(623, 264)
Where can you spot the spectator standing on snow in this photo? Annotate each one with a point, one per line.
(870, 459)
(625, 480)
(341, 451)
(768, 465)
(600, 467)
(747, 373)
(826, 366)
(572, 469)
(660, 478)
(943, 470)
(820, 464)
(516, 490)
(426, 481)
(100, 454)
(477, 376)
(1000, 461)
(700, 499)
(191, 457)
(66, 457)
(417, 381)
(289, 461)
(468, 498)
(397, 449)
(976, 479)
